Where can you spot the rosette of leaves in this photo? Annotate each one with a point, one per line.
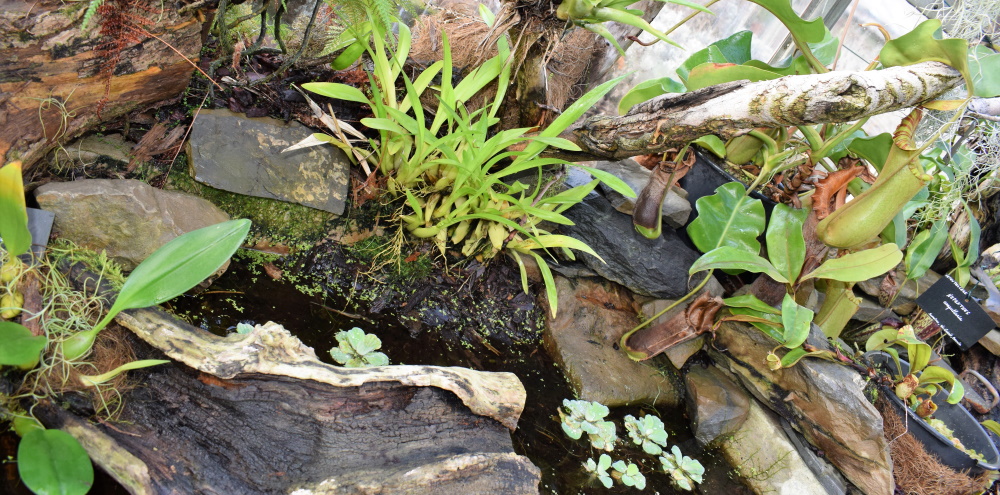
(357, 349)
(647, 432)
(685, 471)
(600, 468)
(588, 417)
(629, 474)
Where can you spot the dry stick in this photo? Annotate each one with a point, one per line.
(188, 131)
(840, 44)
(185, 58)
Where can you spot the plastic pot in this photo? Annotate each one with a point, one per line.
(706, 176)
(966, 428)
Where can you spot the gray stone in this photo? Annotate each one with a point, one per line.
(126, 218)
(716, 405)
(651, 267)
(823, 400)
(906, 301)
(244, 155)
(110, 149)
(583, 340)
(676, 207)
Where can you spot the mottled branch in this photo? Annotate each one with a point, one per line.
(733, 109)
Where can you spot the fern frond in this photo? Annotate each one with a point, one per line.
(91, 10)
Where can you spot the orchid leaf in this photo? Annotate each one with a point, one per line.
(924, 249)
(13, 213)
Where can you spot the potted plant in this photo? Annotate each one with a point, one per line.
(932, 411)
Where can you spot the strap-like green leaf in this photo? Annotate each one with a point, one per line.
(862, 265)
(338, 91)
(13, 214)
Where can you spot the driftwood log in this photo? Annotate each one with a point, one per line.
(259, 413)
(51, 77)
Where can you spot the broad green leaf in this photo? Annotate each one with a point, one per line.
(937, 374)
(924, 249)
(710, 74)
(862, 265)
(786, 245)
(750, 301)
(984, 68)
(920, 45)
(796, 320)
(180, 264)
(338, 91)
(20, 348)
(647, 90)
(874, 149)
(728, 218)
(730, 258)
(53, 462)
(13, 214)
(807, 31)
(713, 144)
(736, 47)
(709, 54)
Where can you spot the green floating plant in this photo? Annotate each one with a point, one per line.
(647, 432)
(600, 468)
(588, 417)
(357, 349)
(629, 474)
(685, 471)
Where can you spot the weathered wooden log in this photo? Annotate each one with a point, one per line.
(50, 71)
(259, 413)
(732, 109)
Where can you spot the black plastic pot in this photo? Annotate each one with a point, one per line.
(706, 176)
(966, 428)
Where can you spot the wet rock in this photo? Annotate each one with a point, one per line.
(905, 301)
(717, 405)
(244, 155)
(583, 340)
(822, 400)
(651, 267)
(676, 208)
(112, 149)
(126, 218)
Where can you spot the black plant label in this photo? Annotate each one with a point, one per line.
(960, 316)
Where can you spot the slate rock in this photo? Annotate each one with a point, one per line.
(127, 218)
(243, 155)
(716, 404)
(823, 400)
(111, 149)
(676, 207)
(650, 267)
(583, 340)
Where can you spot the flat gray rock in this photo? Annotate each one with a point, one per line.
(243, 155)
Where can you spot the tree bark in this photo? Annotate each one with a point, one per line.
(50, 81)
(259, 413)
(733, 109)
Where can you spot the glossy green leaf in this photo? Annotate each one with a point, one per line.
(750, 301)
(786, 245)
(709, 54)
(179, 265)
(880, 340)
(825, 50)
(20, 348)
(920, 45)
(710, 74)
(862, 265)
(347, 57)
(807, 31)
(984, 68)
(647, 90)
(728, 218)
(712, 143)
(924, 249)
(937, 374)
(730, 258)
(874, 149)
(793, 356)
(797, 66)
(734, 49)
(13, 214)
(51, 462)
(796, 320)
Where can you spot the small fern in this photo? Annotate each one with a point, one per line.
(89, 14)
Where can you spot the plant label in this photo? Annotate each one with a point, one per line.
(960, 317)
